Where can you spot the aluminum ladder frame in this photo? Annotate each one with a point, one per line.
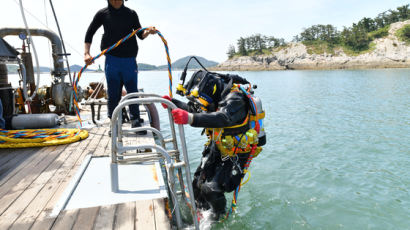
(119, 153)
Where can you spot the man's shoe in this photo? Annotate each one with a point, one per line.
(137, 123)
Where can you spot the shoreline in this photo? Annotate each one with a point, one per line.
(312, 67)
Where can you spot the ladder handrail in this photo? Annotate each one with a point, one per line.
(117, 148)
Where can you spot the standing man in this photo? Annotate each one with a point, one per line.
(120, 63)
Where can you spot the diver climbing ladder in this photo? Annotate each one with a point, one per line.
(121, 154)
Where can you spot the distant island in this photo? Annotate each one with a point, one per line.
(74, 68)
(180, 64)
(176, 65)
(382, 42)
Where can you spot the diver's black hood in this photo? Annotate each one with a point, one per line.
(110, 7)
(209, 85)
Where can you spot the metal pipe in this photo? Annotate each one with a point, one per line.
(62, 41)
(56, 46)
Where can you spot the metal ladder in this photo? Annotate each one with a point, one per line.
(121, 154)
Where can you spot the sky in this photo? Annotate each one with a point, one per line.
(201, 28)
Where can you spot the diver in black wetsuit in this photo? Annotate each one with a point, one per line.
(217, 105)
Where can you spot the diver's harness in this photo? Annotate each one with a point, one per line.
(237, 139)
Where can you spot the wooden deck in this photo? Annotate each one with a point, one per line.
(32, 181)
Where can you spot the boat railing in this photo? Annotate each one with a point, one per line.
(138, 153)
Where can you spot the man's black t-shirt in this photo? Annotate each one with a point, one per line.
(117, 24)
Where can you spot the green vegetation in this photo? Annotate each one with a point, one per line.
(319, 47)
(351, 52)
(319, 39)
(380, 33)
(404, 34)
(254, 45)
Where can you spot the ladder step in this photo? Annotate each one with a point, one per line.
(179, 164)
(173, 152)
(170, 140)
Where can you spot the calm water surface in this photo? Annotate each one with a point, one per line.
(337, 153)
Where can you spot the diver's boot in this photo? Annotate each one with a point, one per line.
(218, 207)
(215, 198)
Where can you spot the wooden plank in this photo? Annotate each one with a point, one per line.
(86, 218)
(17, 199)
(101, 149)
(6, 156)
(145, 218)
(65, 220)
(21, 171)
(9, 167)
(63, 164)
(105, 218)
(23, 157)
(69, 169)
(161, 219)
(125, 216)
(13, 188)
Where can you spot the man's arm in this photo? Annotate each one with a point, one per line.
(233, 111)
(95, 24)
(145, 33)
(87, 56)
(148, 31)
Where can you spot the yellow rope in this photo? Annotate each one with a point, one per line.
(247, 179)
(72, 135)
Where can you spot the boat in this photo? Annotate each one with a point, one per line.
(100, 182)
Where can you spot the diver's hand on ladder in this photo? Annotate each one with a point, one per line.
(180, 116)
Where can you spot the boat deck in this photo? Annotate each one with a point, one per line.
(32, 181)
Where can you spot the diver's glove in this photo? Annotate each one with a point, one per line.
(182, 117)
(168, 98)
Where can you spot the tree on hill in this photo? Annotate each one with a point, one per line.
(404, 12)
(242, 47)
(327, 33)
(368, 24)
(255, 44)
(356, 37)
(231, 51)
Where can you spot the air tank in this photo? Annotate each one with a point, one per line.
(35, 121)
(262, 134)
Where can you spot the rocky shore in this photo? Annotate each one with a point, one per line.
(389, 52)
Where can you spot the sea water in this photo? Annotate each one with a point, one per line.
(337, 154)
